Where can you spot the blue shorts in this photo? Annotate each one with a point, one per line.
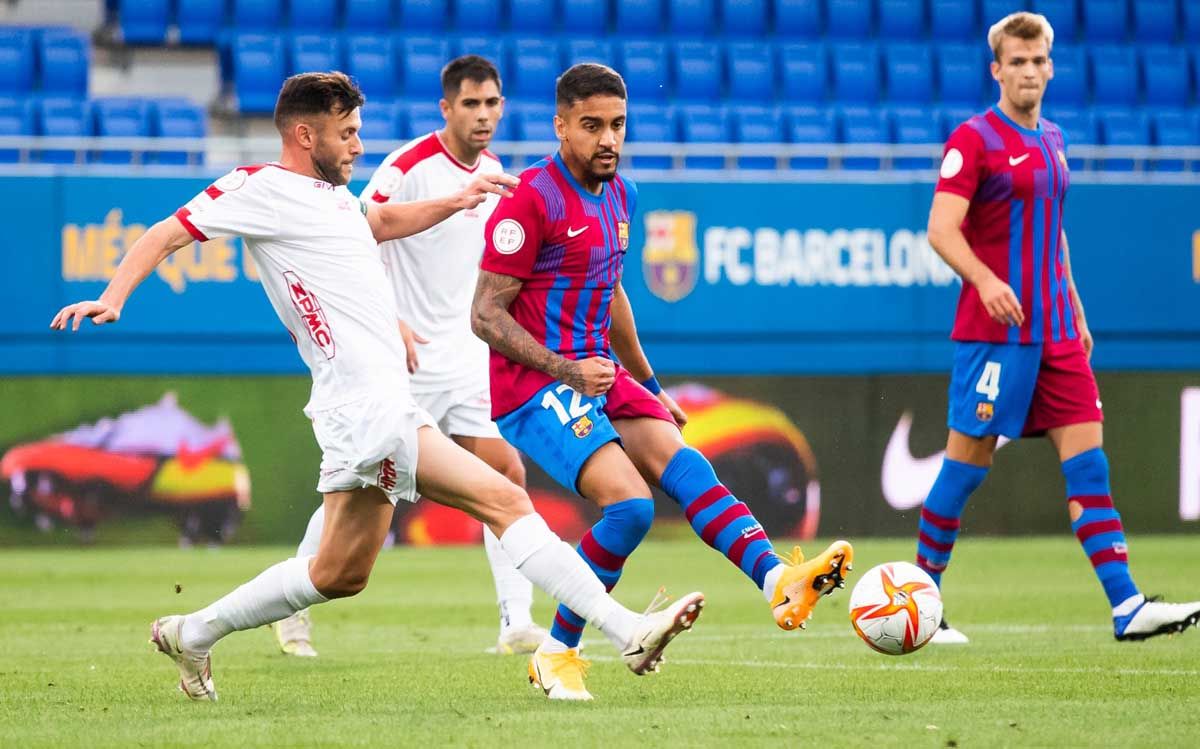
(991, 387)
(559, 429)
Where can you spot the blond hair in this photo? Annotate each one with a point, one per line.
(1022, 25)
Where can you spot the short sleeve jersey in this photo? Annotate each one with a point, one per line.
(1016, 180)
(320, 267)
(568, 247)
(433, 273)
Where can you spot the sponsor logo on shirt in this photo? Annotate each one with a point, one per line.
(582, 427)
(671, 257)
(386, 479)
(311, 314)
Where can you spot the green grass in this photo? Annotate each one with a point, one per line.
(403, 664)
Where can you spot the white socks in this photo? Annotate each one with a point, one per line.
(771, 579)
(556, 568)
(312, 534)
(277, 593)
(514, 593)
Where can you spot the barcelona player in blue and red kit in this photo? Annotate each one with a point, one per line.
(1022, 344)
(550, 304)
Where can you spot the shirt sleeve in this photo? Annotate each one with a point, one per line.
(513, 235)
(962, 163)
(230, 207)
(386, 183)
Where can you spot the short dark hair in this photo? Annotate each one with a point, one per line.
(467, 68)
(316, 93)
(585, 80)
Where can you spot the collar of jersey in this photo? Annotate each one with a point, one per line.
(1000, 113)
(562, 167)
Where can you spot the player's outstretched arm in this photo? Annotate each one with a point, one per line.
(945, 235)
(1085, 333)
(491, 321)
(628, 348)
(399, 220)
(148, 251)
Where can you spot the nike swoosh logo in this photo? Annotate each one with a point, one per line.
(906, 479)
(572, 233)
(1018, 160)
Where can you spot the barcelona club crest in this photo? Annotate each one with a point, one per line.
(985, 411)
(623, 235)
(670, 259)
(582, 427)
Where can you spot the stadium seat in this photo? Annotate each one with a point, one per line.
(915, 126)
(1165, 69)
(1079, 127)
(691, 17)
(256, 15)
(697, 69)
(994, 10)
(855, 72)
(757, 124)
(909, 70)
(381, 132)
(314, 15)
(804, 72)
(650, 123)
(176, 118)
(313, 52)
(587, 17)
(16, 118)
(423, 15)
(1155, 20)
(950, 117)
(953, 19)
(751, 70)
(960, 73)
(16, 61)
(144, 21)
(848, 19)
(863, 125)
(1115, 72)
(532, 16)
(423, 59)
(702, 123)
(539, 62)
(589, 50)
(490, 47)
(1070, 84)
(120, 118)
(744, 17)
(63, 57)
(1123, 127)
(477, 16)
(203, 20)
(535, 122)
(1175, 127)
(258, 70)
(810, 125)
(421, 118)
(639, 17)
(798, 19)
(1063, 16)
(1105, 20)
(901, 19)
(644, 66)
(367, 15)
(63, 118)
(372, 62)
(1191, 21)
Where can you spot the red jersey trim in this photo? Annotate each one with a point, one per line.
(424, 148)
(955, 190)
(182, 214)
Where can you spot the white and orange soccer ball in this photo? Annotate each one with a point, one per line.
(895, 608)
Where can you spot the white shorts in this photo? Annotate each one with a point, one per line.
(465, 412)
(371, 442)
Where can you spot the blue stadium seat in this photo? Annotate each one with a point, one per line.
(953, 19)
(531, 16)
(120, 118)
(744, 17)
(960, 72)
(16, 61)
(535, 122)
(423, 15)
(798, 19)
(810, 125)
(1123, 127)
(703, 123)
(751, 69)
(64, 56)
(901, 19)
(314, 15)
(421, 118)
(144, 21)
(1165, 69)
(63, 118)
(477, 16)
(863, 125)
(1070, 84)
(644, 66)
(994, 10)
(950, 117)
(203, 20)
(1155, 20)
(855, 72)
(587, 17)
(697, 68)
(372, 62)
(804, 72)
(315, 52)
(757, 124)
(1079, 126)
(639, 17)
(1115, 72)
(589, 50)
(1063, 16)
(381, 132)
(367, 15)
(423, 59)
(909, 70)
(691, 17)
(1191, 21)
(1175, 127)
(258, 71)
(256, 15)
(493, 48)
(16, 118)
(1105, 20)
(848, 19)
(915, 125)
(177, 118)
(650, 123)
(539, 64)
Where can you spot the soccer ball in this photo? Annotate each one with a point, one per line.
(895, 608)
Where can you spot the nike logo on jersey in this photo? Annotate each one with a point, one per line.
(906, 479)
(572, 233)
(1014, 161)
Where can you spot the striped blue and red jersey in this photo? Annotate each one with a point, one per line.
(568, 246)
(1016, 180)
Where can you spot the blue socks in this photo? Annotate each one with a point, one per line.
(1097, 524)
(941, 512)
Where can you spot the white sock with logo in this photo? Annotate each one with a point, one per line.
(514, 593)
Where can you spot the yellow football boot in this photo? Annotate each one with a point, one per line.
(803, 583)
(560, 675)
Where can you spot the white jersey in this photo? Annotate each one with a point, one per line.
(433, 273)
(321, 269)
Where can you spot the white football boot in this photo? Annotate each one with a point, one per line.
(947, 635)
(1153, 617)
(195, 669)
(520, 640)
(658, 626)
(294, 635)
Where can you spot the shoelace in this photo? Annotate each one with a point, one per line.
(572, 660)
(796, 557)
(658, 603)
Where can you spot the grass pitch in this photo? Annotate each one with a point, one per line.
(403, 664)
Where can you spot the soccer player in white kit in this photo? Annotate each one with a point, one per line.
(316, 248)
(433, 275)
